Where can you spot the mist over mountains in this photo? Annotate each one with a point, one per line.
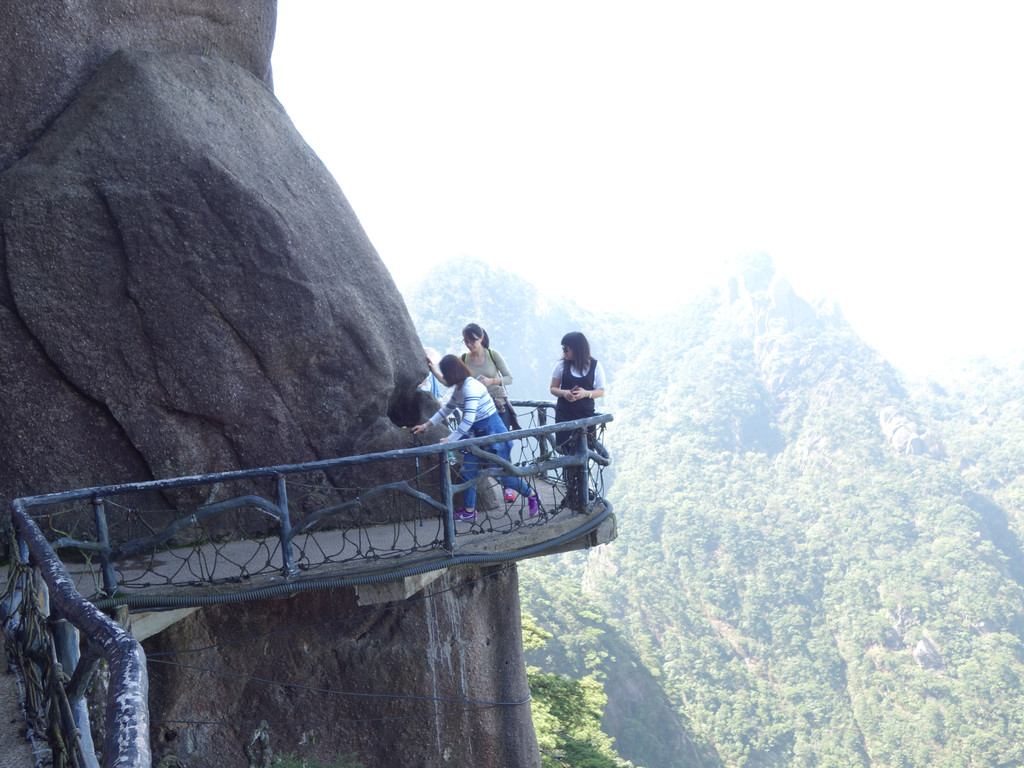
(818, 562)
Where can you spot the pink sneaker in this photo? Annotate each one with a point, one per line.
(510, 495)
(534, 505)
(462, 514)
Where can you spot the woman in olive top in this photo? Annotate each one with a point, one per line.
(489, 368)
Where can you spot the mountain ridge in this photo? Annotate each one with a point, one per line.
(803, 589)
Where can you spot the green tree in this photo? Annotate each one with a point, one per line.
(567, 713)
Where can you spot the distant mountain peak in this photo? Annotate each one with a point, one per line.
(754, 288)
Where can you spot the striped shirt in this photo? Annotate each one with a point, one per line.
(474, 402)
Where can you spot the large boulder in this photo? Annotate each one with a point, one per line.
(185, 289)
(50, 50)
(903, 435)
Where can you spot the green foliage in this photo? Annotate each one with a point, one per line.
(779, 565)
(533, 636)
(567, 712)
(784, 588)
(567, 718)
(589, 645)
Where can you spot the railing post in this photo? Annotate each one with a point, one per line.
(126, 715)
(542, 439)
(287, 555)
(23, 552)
(99, 514)
(66, 643)
(449, 507)
(576, 490)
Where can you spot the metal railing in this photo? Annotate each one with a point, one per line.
(219, 529)
(44, 617)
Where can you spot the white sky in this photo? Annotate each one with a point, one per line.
(874, 149)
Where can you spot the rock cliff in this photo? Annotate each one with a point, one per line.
(51, 50)
(184, 289)
(434, 681)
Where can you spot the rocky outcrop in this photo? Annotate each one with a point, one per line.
(50, 50)
(927, 654)
(766, 301)
(438, 680)
(187, 290)
(774, 315)
(903, 435)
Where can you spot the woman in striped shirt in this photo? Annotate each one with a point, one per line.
(479, 418)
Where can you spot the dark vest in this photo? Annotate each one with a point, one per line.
(580, 409)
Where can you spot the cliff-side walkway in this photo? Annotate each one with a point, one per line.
(159, 550)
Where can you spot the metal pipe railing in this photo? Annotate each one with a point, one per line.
(126, 715)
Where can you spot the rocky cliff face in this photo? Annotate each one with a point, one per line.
(783, 327)
(185, 289)
(774, 315)
(434, 681)
(51, 50)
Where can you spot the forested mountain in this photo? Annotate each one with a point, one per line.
(817, 564)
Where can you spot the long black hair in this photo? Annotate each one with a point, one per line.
(580, 347)
(475, 331)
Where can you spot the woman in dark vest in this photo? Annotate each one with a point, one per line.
(576, 381)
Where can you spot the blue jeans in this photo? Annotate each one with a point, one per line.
(471, 465)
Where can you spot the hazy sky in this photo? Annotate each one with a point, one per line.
(621, 151)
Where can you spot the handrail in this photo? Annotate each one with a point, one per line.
(126, 715)
(323, 464)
